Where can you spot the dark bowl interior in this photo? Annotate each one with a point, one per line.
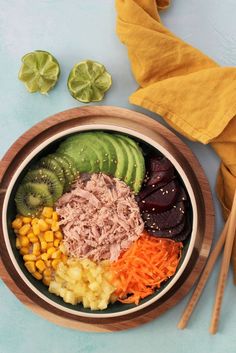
(11, 213)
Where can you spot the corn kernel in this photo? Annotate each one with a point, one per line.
(55, 226)
(48, 221)
(24, 241)
(32, 238)
(17, 223)
(37, 275)
(26, 220)
(55, 216)
(34, 221)
(43, 225)
(50, 251)
(36, 249)
(56, 243)
(56, 254)
(58, 235)
(41, 237)
(18, 246)
(30, 265)
(29, 257)
(44, 256)
(40, 265)
(64, 258)
(47, 272)
(48, 263)
(24, 250)
(55, 262)
(36, 229)
(49, 236)
(44, 245)
(50, 245)
(24, 229)
(46, 280)
(47, 212)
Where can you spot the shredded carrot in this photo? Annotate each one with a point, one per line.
(142, 269)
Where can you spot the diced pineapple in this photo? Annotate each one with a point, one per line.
(69, 297)
(55, 287)
(75, 273)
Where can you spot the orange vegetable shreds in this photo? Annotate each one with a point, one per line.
(141, 269)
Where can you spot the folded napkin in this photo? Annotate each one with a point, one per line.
(189, 90)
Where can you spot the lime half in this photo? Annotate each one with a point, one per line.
(88, 81)
(39, 71)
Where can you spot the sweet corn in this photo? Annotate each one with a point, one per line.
(56, 243)
(30, 265)
(47, 212)
(46, 280)
(32, 238)
(18, 246)
(43, 226)
(36, 229)
(48, 221)
(49, 236)
(44, 245)
(44, 256)
(37, 275)
(58, 235)
(47, 272)
(24, 229)
(26, 220)
(24, 241)
(36, 249)
(55, 226)
(55, 262)
(29, 257)
(40, 265)
(48, 263)
(56, 254)
(24, 250)
(17, 223)
(50, 251)
(55, 216)
(34, 221)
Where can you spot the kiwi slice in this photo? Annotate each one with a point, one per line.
(45, 176)
(50, 163)
(69, 176)
(70, 160)
(32, 197)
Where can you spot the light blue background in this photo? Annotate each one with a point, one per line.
(74, 30)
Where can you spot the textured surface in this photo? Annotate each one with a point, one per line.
(72, 33)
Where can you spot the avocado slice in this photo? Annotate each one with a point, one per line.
(139, 163)
(84, 154)
(110, 150)
(131, 167)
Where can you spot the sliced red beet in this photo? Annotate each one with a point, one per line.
(185, 233)
(168, 219)
(160, 169)
(162, 199)
(147, 190)
(166, 233)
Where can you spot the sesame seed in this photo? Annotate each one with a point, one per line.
(183, 198)
(173, 190)
(161, 189)
(174, 206)
(143, 201)
(153, 185)
(167, 191)
(170, 231)
(153, 209)
(151, 226)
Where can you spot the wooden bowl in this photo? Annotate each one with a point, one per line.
(43, 138)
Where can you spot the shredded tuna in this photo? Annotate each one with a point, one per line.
(99, 218)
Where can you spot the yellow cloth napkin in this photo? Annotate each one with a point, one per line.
(188, 89)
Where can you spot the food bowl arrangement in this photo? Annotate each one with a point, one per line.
(106, 216)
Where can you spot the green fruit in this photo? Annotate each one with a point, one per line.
(139, 163)
(131, 166)
(39, 72)
(50, 163)
(70, 162)
(31, 198)
(47, 177)
(68, 174)
(88, 81)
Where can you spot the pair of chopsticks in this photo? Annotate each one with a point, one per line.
(227, 237)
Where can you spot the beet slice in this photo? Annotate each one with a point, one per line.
(168, 219)
(147, 190)
(161, 199)
(185, 233)
(161, 169)
(167, 233)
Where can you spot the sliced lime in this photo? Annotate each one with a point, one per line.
(88, 81)
(39, 71)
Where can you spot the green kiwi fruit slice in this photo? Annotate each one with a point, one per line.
(45, 176)
(69, 176)
(50, 163)
(32, 197)
(70, 160)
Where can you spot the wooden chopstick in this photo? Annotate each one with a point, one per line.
(224, 269)
(203, 279)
